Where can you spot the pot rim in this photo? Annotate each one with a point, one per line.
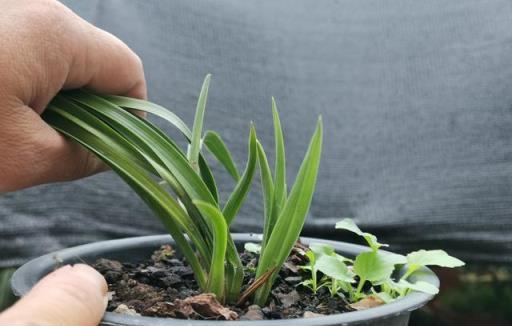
(25, 277)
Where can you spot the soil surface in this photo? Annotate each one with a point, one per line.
(164, 286)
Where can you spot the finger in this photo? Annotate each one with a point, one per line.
(103, 63)
(72, 295)
(41, 155)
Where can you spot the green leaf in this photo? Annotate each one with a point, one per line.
(291, 220)
(433, 258)
(335, 268)
(311, 257)
(420, 286)
(252, 247)
(373, 267)
(237, 197)
(218, 224)
(392, 258)
(197, 129)
(320, 249)
(111, 148)
(280, 163)
(149, 107)
(208, 179)
(130, 126)
(148, 140)
(267, 185)
(349, 225)
(218, 148)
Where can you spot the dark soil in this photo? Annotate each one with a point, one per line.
(164, 286)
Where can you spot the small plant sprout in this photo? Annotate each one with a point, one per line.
(252, 247)
(373, 267)
(179, 187)
(322, 258)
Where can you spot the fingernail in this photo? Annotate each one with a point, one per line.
(93, 277)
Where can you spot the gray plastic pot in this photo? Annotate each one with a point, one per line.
(140, 248)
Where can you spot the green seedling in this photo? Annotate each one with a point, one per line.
(373, 267)
(322, 258)
(179, 187)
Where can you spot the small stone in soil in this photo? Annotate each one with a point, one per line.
(123, 309)
(253, 313)
(366, 303)
(288, 299)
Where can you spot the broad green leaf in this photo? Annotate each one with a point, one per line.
(197, 129)
(291, 220)
(320, 249)
(252, 247)
(433, 258)
(237, 197)
(372, 267)
(420, 286)
(335, 268)
(215, 282)
(349, 225)
(392, 258)
(218, 148)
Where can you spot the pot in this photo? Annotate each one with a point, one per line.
(140, 248)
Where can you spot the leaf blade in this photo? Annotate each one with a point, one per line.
(214, 143)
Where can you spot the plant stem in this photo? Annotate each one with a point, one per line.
(334, 288)
(408, 273)
(360, 286)
(313, 278)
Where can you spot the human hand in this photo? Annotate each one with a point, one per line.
(46, 48)
(72, 295)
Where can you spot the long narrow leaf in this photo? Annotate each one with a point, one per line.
(208, 179)
(171, 157)
(197, 129)
(280, 191)
(159, 111)
(238, 195)
(268, 193)
(215, 282)
(139, 133)
(292, 218)
(105, 147)
(218, 148)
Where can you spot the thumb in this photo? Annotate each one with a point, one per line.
(72, 295)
